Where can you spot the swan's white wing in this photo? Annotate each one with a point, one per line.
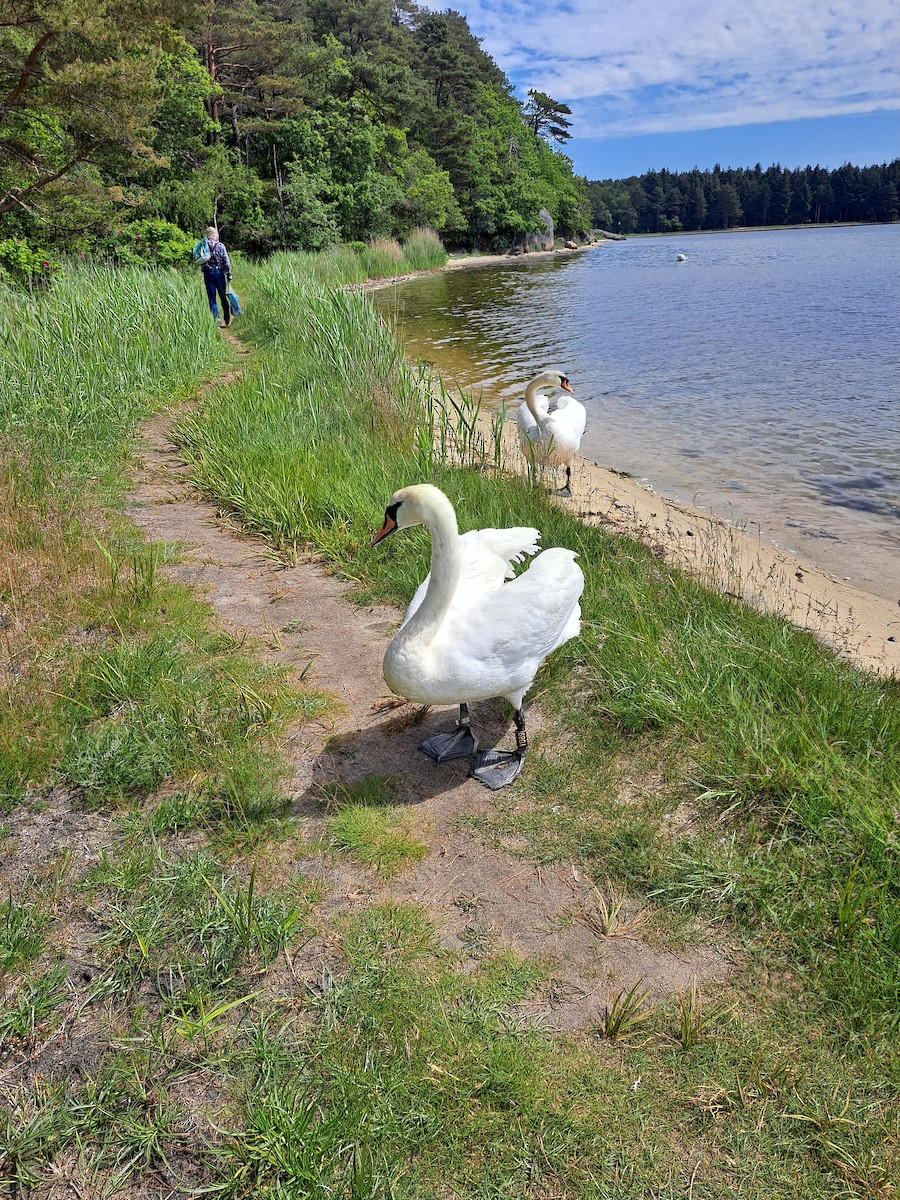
(487, 557)
(508, 636)
(559, 399)
(528, 426)
(482, 546)
(567, 424)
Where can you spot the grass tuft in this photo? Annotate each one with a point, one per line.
(376, 837)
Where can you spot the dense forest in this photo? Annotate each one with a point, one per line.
(670, 201)
(292, 123)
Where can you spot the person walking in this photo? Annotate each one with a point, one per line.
(217, 276)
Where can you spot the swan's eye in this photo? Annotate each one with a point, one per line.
(391, 510)
(563, 381)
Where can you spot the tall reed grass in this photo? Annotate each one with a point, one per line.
(79, 364)
(423, 250)
(382, 256)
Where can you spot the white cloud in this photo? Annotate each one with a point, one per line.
(639, 67)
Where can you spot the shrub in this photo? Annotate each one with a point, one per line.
(24, 267)
(258, 243)
(150, 243)
(382, 256)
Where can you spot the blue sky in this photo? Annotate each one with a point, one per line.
(687, 83)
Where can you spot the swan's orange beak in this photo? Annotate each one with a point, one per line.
(565, 383)
(387, 528)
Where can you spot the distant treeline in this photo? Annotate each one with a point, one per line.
(670, 201)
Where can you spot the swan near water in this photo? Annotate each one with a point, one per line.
(474, 629)
(550, 429)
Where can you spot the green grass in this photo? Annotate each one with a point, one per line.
(375, 837)
(81, 364)
(21, 932)
(423, 250)
(715, 769)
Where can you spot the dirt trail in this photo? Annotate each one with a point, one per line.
(480, 898)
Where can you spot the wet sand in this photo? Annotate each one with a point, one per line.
(860, 625)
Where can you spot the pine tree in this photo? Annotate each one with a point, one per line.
(547, 118)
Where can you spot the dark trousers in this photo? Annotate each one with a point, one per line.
(216, 283)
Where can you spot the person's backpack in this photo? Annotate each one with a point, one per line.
(201, 253)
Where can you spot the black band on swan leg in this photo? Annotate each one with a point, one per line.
(461, 742)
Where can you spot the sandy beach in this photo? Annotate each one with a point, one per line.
(863, 627)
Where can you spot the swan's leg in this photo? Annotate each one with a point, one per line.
(459, 743)
(497, 768)
(567, 490)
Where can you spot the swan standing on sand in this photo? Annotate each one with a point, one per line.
(550, 430)
(474, 629)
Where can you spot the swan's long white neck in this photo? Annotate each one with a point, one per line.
(532, 392)
(440, 520)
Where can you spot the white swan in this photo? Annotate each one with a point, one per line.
(550, 430)
(681, 258)
(474, 629)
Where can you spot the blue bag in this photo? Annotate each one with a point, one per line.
(234, 302)
(201, 253)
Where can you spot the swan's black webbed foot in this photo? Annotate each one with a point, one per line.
(461, 742)
(497, 768)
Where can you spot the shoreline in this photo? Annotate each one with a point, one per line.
(856, 623)
(860, 625)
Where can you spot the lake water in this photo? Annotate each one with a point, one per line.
(759, 380)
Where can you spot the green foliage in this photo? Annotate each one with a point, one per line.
(310, 218)
(139, 337)
(21, 932)
(25, 267)
(146, 711)
(381, 257)
(428, 197)
(218, 1052)
(78, 84)
(285, 125)
(155, 243)
(34, 1005)
(423, 250)
(375, 836)
(767, 723)
(546, 117)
